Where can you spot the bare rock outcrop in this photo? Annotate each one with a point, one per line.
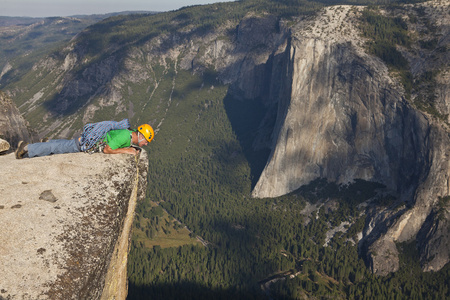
(66, 222)
(4, 146)
(434, 238)
(13, 127)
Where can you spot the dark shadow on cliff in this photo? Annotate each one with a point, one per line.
(245, 117)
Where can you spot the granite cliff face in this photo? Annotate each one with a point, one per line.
(347, 117)
(341, 114)
(66, 222)
(333, 110)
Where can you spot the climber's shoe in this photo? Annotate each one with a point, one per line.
(22, 150)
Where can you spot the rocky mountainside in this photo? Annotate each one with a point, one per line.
(347, 117)
(334, 109)
(24, 39)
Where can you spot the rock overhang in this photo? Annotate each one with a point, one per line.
(61, 217)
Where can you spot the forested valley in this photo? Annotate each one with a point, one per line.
(200, 173)
(232, 246)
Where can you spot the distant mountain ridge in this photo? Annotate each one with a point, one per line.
(14, 21)
(24, 39)
(18, 20)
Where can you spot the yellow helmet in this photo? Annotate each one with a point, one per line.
(147, 132)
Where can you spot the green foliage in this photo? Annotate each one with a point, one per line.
(384, 30)
(429, 44)
(156, 211)
(384, 34)
(154, 227)
(407, 283)
(425, 100)
(444, 201)
(384, 200)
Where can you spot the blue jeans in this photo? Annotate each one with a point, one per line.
(53, 147)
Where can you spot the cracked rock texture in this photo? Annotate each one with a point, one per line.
(66, 222)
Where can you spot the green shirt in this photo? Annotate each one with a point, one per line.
(120, 138)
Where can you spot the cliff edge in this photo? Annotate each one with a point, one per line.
(66, 222)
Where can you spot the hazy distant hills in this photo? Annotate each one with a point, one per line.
(24, 39)
(17, 20)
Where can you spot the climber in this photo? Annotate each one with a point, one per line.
(109, 137)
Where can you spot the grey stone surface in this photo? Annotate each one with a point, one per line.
(60, 218)
(4, 145)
